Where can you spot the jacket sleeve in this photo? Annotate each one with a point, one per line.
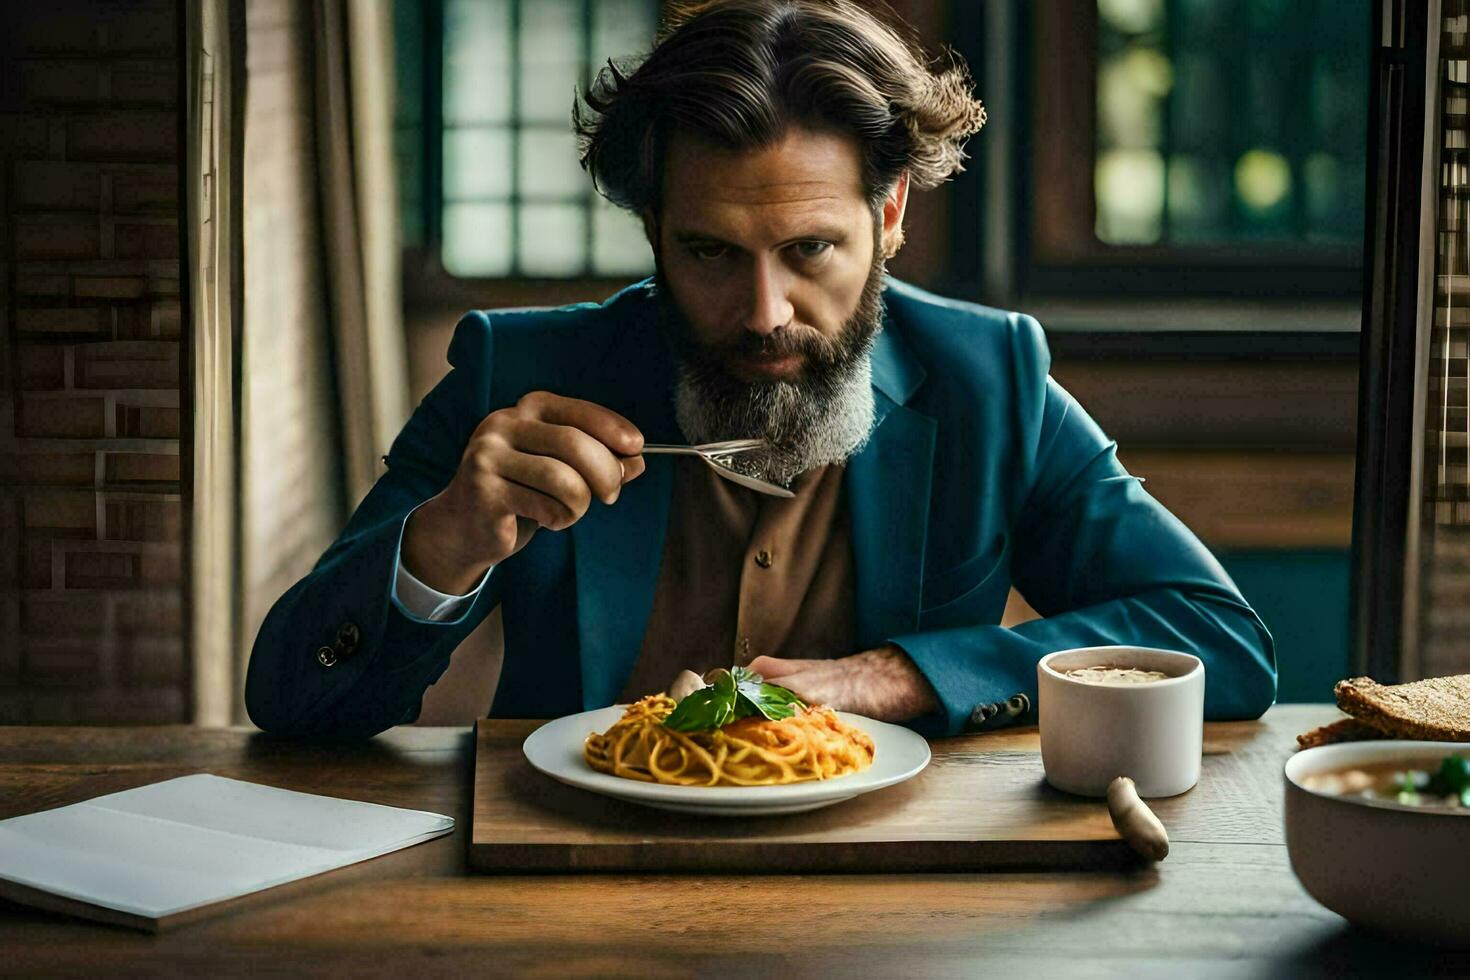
(1104, 564)
(384, 660)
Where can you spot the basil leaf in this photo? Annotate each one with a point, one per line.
(724, 685)
(755, 697)
(735, 693)
(744, 675)
(698, 711)
(773, 709)
(706, 708)
(779, 703)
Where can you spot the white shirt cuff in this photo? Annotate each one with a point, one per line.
(423, 603)
(426, 602)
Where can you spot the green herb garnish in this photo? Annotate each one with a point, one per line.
(708, 707)
(1452, 779)
(732, 694)
(754, 696)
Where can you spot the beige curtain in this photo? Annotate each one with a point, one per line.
(214, 251)
(354, 136)
(294, 411)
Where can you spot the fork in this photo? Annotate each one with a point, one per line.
(718, 455)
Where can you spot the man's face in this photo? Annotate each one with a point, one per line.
(765, 252)
(770, 266)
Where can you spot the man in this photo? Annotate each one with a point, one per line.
(769, 147)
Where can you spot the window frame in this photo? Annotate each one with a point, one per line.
(425, 277)
(1055, 256)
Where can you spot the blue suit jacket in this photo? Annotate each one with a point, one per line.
(981, 473)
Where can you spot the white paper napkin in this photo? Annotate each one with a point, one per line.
(167, 847)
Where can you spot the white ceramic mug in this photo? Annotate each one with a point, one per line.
(1152, 732)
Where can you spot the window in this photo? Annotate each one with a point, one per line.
(1220, 122)
(510, 197)
(1198, 146)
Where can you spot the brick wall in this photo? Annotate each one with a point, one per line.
(91, 514)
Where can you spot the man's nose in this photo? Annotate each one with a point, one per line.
(769, 309)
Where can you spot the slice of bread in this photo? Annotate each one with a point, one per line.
(1346, 730)
(1437, 709)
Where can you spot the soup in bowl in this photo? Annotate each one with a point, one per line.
(1376, 832)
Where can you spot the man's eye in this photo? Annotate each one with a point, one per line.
(707, 252)
(811, 250)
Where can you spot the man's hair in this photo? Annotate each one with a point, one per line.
(738, 72)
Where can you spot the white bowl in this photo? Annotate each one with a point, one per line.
(1093, 733)
(1375, 863)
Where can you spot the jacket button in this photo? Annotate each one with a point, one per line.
(326, 656)
(763, 559)
(998, 714)
(347, 637)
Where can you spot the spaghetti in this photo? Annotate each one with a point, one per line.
(755, 751)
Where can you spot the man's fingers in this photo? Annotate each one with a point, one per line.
(534, 505)
(773, 667)
(633, 467)
(603, 424)
(589, 457)
(813, 687)
(552, 477)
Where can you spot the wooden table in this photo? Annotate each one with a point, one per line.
(1225, 901)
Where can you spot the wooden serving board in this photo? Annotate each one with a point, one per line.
(982, 804)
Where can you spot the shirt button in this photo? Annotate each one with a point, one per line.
(326, 656)
(763, 559)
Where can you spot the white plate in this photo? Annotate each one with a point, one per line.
(556, 749)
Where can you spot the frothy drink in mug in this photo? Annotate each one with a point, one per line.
(1115, 675)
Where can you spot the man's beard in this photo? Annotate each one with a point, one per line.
(822, 415)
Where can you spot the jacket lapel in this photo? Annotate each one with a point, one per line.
(888, 486)
(618, 551)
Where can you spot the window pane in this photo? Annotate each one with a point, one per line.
(618, 245)
(1130, 196)
(1198, 197)
(621, 28)
(1244, 115)
(1200, 100)
(476, 163)
(553, 239)
(476, 61)
(514, 197)
(477, 239)
(1131, 16)
(551, 59)
(1264, 190)
(1131, 87)
(549, 167)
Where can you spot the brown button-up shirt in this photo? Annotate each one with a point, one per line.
(746, 575)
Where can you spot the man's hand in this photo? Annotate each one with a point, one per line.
(882, 684)
(537, 464)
